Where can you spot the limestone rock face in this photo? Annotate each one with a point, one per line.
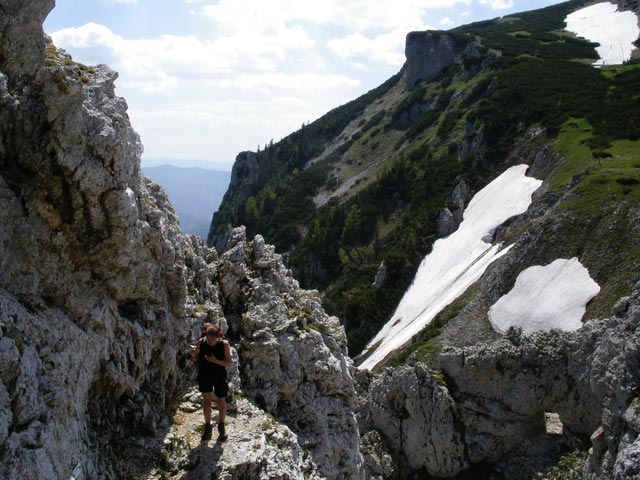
(93, 288)
(19, 53)
(243, 175)
(416, 416)
(446, 223)
(497, 394)
(450, 218)
(460, 198)
(293, 356)
(521, 378)
(428, 53)
(245, 170)
(615, 379)
(381, 275)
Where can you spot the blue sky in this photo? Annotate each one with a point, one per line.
(207, 79)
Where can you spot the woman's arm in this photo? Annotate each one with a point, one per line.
(195, 351)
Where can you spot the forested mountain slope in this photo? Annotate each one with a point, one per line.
(358, 197)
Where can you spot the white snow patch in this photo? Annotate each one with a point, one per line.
(614, 31)
(553, 296)
(455, 262)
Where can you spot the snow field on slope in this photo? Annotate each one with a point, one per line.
(614, 31)
(455, 262)
(553, 296)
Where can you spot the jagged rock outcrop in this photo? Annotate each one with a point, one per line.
(497, 393)
(616, 363)
(381, 276)
(21, 54)
(446, 223)
(94, 282)
(244, 172)
(99, 291)
(417, 418)
(428, 53)
(451, 217)
(293, 356)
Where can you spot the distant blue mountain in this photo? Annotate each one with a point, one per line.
(194, 192)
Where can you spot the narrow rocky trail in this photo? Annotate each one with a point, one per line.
(257, 447)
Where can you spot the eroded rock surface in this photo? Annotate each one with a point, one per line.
(293, 356)
(497, 393)
(428, 53)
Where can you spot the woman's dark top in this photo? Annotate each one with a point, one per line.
(207, 368)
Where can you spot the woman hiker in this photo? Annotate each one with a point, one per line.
(212, 355)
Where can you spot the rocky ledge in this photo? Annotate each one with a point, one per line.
(491, 404)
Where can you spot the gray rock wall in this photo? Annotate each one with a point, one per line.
(293, 356)
(417, 418)
(94, 278)
(244, 174)
(428, 53)
(497, 393)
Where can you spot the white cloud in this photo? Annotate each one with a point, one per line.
(351, 45)
(375, 31)
(156, 64)
(256, 37)
(497, 4)
(355, 15)
(300, 81)
(229, 125)
(261, 66)
(387, 48)
(446, 21)
(120, 1)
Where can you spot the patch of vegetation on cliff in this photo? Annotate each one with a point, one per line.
(570, 466)
(599, 209)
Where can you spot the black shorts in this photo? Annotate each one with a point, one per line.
(208, 384)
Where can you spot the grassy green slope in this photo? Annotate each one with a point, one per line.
(409, 150)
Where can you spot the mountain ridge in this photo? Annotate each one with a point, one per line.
(381, 184)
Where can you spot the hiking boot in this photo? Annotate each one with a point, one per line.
(206, 432)
(221, 432)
